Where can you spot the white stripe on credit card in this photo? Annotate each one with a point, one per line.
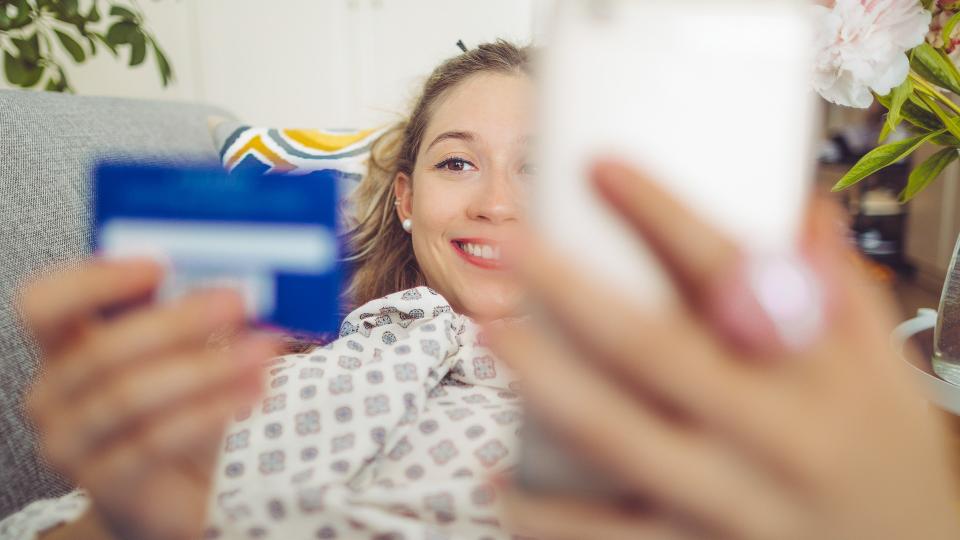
(269, 246)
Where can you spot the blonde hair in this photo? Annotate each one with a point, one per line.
(380, 251)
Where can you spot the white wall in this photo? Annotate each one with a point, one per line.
(308, 63)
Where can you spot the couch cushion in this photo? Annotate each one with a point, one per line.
(48, 144)
(297, 151)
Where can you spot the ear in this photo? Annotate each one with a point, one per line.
(403, 191)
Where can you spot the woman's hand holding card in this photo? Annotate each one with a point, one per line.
(131, 407)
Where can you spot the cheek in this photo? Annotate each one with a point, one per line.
(436, 212)
(437, 208)
(431, 225)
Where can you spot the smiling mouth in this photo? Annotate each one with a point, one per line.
(479, 252)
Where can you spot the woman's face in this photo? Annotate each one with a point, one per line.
(467, 193)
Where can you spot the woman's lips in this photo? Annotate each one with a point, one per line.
(479, 252)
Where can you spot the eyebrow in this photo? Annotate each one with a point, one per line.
(470, 137)
(459, 135)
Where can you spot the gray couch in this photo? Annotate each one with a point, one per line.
(48, 144)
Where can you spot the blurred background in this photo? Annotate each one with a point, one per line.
(907, 247)
(299, 63)
(355, 64)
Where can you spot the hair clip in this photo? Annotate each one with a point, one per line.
(461, 45)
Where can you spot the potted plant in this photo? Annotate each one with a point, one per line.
(36, 34)
(902, 53)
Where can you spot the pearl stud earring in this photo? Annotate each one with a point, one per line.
(407, 224)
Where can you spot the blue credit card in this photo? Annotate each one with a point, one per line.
(274, 238)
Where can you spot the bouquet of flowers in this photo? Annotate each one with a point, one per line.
(902, 53)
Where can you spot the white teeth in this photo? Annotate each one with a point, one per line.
(481, 250)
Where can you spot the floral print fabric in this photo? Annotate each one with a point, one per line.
(391, 431)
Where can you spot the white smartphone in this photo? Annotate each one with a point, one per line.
(712, 98)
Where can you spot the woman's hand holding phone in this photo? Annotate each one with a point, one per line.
(132, 407)
(828, 440)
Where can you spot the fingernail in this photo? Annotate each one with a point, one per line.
(609, 174)
(772, 304)
(790, 293)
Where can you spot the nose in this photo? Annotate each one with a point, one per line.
(499, 199)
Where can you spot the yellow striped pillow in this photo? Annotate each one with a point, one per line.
(295, 151)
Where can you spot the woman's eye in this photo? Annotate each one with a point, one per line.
(455, 165)
(528, 169)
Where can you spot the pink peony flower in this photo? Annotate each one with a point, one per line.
(862, 45)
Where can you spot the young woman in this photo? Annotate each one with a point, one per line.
(394, 430)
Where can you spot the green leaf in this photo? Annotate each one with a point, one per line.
(952, 124)
(881, 157)
(94, 14)
(927, 172)
(138, 49)
(121, 33)
(58, 84)
(103, 39)
(917, 115)
(12, 69)
(71, 45)
(898, 97)
(933, 66)
(916, 107)
(70, 7)
(22, 15)
(948, 29)
(68, 11)
(166, 72)
(122, 12)
(945, 140)
(29, 48)
(128, 33)
(884, 133)
(950, 63)
(21, 72)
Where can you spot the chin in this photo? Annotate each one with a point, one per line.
(491, 302)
